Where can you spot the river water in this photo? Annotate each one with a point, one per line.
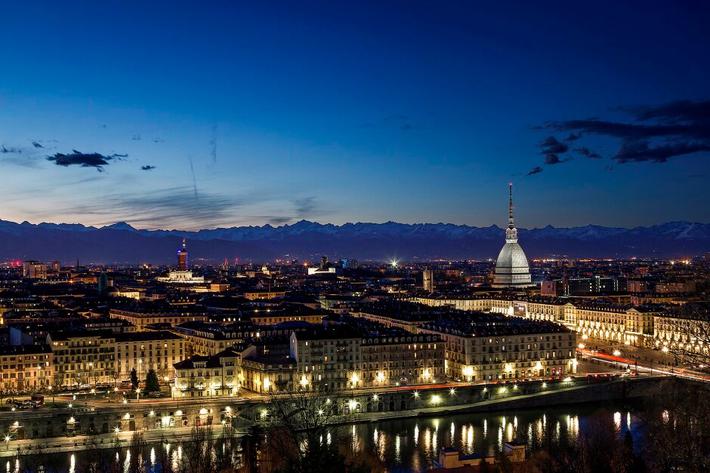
(406, 445)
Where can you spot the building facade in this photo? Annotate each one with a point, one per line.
(83, 359)
(488, 347)
(26, 368)
(402, 359)
(144, 351)
(207, 376)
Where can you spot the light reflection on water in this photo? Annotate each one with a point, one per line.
(412, 444)
(402, 445)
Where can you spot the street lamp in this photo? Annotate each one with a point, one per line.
(7, 442)
(91, 372)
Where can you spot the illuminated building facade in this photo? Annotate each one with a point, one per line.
(83, 359)
(402, 359)
(144, 351)
(328, 357)
(206, 376)
(26, 368)
(492, 347)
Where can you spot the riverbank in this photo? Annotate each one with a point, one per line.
(574, 393)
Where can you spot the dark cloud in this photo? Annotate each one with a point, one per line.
(194, 177)
(619, 130)
(10, 150)
(652, 134)
(553, 158)
(136, 137)
(27, 156)
(552, 148)
(87, 160)
(573, 137)
(587, 153)
(675, 112)
(37, 144)
(535, 170)
(305, 206)
(213, 144)
(147, 167)
(552, 145)
(158, 140)
(169, 208)
(642, 151)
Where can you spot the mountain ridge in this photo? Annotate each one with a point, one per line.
(122, 243)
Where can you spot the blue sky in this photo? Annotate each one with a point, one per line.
(270, 112)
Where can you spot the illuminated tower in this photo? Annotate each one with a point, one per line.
(182, 256)
(428, 280)
(512, 268)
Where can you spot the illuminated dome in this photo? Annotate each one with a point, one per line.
(512, 268)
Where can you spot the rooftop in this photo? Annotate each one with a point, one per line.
(482, 324)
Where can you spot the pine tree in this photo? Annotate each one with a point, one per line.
(134, 378)
(151, 382)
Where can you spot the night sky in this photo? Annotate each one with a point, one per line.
(177, 115)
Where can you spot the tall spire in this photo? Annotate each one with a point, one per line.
(511, 222)
(511, 233)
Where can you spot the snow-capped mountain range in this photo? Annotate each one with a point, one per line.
(122, 243)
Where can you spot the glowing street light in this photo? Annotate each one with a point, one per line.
(354, 379)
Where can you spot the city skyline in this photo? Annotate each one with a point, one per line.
(317, 236)
(248, 115)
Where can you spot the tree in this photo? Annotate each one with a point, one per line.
(134, 378)
(151, 382)
(300, 437)
(677, 424)
(693, 323)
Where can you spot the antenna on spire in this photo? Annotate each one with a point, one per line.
(511, 223)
